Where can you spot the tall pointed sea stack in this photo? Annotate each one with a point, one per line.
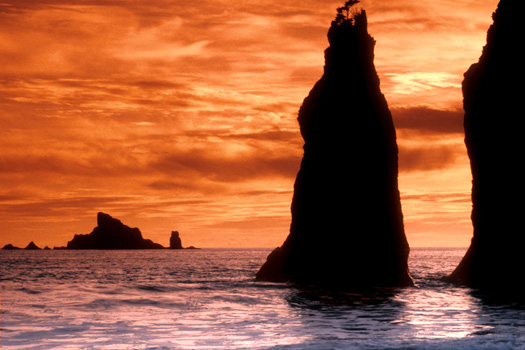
(493, 93)
(347, 226)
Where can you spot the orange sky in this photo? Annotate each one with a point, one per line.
(177, 115)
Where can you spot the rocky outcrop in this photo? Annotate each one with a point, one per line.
(347, 225)
(110, 233)
(32, 246)
(10, 247)
(494, 128)
(175, 242)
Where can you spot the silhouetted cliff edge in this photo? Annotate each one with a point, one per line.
(347, 225)
(110, 233)
(493, 91)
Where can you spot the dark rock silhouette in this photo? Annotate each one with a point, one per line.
(494, 135)
(32, 246)
(347, 225)
(10, 247)
(110, 233)
(175, 242)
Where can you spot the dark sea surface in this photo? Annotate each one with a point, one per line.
(209, 299)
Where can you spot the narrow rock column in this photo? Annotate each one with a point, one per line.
(347, 225)
(175, 241)
(493, 93)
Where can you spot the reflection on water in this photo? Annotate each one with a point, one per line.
(440, 313)
(434, 309)
(236, 324)
(413, 314)
(433, 314)
(209, 299)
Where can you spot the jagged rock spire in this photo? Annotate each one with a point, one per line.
(347, 225)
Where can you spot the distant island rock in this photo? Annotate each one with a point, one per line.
(175, 241)
(494, 137)
(10, 247)
(347, 226)
(111, 233)
(30, 246)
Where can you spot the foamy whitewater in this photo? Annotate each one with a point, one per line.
(209, 299)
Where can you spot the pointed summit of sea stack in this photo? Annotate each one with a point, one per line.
(347, 225)
(32, 246)
(493, 93)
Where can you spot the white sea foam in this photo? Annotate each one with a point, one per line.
(208, 299)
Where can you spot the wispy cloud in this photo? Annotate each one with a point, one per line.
(184, 113)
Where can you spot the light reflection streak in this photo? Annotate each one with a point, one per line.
(222, 325)
(433, 312)
(440, 313)
(434, 309)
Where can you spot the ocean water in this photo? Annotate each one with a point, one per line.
(209, 299)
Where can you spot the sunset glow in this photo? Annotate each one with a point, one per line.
(174, 115)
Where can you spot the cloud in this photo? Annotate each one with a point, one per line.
(426, 158)
(441, 197)
(429, 139)
(186, 111)
(226, 164)
(438, 218)
(411, 82)
(423, 121)
(92, 165)
(71, 208)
